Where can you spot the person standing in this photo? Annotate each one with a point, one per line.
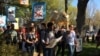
(42, 39)
(22, 38)
(61, 45)
(71, 40)
(49, 51)
(7, 35)
(30, 41)
(14, 35)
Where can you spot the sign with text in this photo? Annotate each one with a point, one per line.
(16, 24)
(24, 2)
(11, 14)
(2, 20)
(38, 10)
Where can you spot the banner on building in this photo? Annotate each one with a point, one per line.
(11, 14)
(2, 20)
(16, 24)
(38, 10)
(24, 2)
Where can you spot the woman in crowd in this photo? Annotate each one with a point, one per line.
(30, 41)
(71, 40)
(22, 38)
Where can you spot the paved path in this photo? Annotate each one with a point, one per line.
(35, 54)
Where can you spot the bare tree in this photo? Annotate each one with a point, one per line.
(90, 12)
(97, 19)
(91, 9)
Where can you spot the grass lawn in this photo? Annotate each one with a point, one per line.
(88, 50)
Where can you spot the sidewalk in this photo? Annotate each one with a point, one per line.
(36, 54)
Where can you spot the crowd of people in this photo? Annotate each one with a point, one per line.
(38, 37)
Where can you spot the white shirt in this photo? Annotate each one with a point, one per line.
(71, 38)
(50, 36)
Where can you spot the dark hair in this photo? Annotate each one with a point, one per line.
(43, 24)
(30, 28)
(12, 26)
(49, 25)
(62, 26)
(71, 25)
(8, 27)
(68, 32)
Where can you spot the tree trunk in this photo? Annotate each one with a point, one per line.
(81, 6)
(66, 7)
